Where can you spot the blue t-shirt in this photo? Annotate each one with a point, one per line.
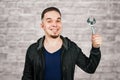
(53, 65)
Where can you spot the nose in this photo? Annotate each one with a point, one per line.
(54, 24)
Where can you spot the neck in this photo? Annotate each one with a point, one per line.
(52, 41)
(52, 44)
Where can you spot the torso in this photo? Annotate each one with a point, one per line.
(53, 48)
(52, 65)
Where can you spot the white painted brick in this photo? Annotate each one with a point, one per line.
(20, 27)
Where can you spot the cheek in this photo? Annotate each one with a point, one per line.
(59, 25)
(47, 26)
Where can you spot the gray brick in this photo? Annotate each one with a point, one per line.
(12, 25)
(115, 17)
(115, 7)
(109, 37)
(2, 11)
(3, 56)
(13, 19)
(3, 18)
(19, 27)
(10, 5)
(2, 25)
(11, 0)
(108, 76)
(2, 40)
(2, 4)
(117, 46)
(14, 11)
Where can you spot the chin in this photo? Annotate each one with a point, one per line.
(55, 36)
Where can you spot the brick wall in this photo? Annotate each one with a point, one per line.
(20, 26)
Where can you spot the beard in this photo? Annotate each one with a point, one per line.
(54, 36)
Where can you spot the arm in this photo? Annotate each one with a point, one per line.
(27, 73)
(90, 64)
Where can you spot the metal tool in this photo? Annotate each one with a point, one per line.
(91, 21)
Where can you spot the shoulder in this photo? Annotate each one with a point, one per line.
(35, 46)
(32, 47)
(70, 43)
(32, 50)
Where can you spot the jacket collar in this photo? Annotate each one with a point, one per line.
(41, 40)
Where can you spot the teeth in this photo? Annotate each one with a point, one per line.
(54, 30)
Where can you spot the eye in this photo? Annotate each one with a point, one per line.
(59, 20)
(49, 21)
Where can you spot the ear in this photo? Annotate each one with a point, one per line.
(41, 25)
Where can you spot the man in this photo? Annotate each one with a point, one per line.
(53, 57)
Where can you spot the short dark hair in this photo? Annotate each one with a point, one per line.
(50, 9)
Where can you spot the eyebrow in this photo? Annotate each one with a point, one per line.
(59, 18)
(51, 18)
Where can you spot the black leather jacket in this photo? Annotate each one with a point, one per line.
(71, 56)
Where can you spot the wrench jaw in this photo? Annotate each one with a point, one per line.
(91, 21)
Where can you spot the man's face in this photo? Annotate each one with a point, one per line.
(52, 24)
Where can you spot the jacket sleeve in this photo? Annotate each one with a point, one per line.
(89, 64)
(27, 73)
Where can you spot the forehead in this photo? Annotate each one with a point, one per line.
(52, 15)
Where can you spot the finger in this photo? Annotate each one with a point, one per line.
(97, 37)
(97, 42)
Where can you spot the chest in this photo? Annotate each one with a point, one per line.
(52, 59)
(52, 65)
